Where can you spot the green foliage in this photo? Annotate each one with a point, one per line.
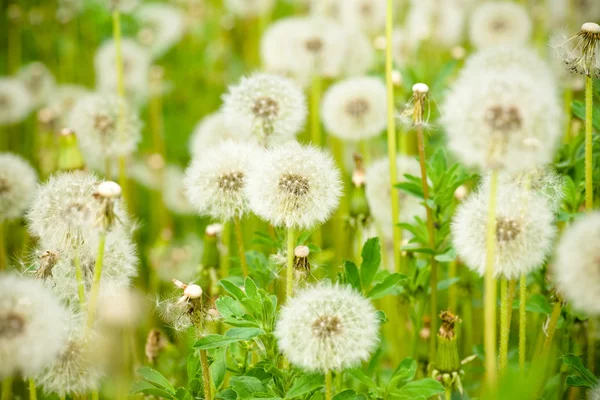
(584, 378)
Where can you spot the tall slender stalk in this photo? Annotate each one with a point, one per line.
(7, 384)
(591, 353)
(289, 279)
(226, 238)
(328, 385)
(205, 375)
(552, 326)
(453, 290)
(79, 278)
(32, 390)
(95, 290)
(504, 327)
(391, 132)
(240, 242)
(522, 321)
(490, 287)
(589, 189)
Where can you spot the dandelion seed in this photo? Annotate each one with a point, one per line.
(39, 82)
(32, 326)
(379, 193)
(498, 24)
(162, 26)
(524, 231)
(18, 182)
(211, 131)
(95, 119)
(294, 186)
(355, 108)
(215, 183)
(327, 327)
(249, 9)
(576, 263)
(270, 107)
(15, 101)
(580, 53)
(506, 120)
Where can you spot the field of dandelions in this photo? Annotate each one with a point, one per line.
(299, 199)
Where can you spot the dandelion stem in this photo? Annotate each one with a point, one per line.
(94, 292)
(32, 391)
(240, 241)
(504, 327)
(391, 133)
(552, 326)
(452, 290)
(79, 277)
(226, 238)
(522, 321)
(591, 353)
(7, 384)
(448, 393)
(490, 287)
(95, 395)
(205, 375)
(328, 385)
(589, 189)
(315, 102)
(291, 241)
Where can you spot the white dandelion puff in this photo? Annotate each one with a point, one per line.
(366, 15)
(15, 101)
(136, 66)
(162, 26)
(379, 193)
(498, 24)
(173, 193)
(441, 22)
(124, 6)
(18, 182)
(580, 53)
(212, 130)
(327, 327)
(268, 106)
(576, 263)
(524, 231)
(249, 9)
(294, 186)
(39, 82)
(355, 108)
(63, 99)
(33, 327)
(506, 119)
(360, 57)
(95, 120)
(594, 393)
(215, 183)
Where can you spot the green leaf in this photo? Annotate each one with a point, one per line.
(232, 289)
(183, 394)
(386, 286)
(448, 256)
(246, 386)
(229, 308)
(421, 389)
(347, 394)
(227, 394)
(578, 381)
(404, 373)
(251, 289)
(371, 259)
(232, 336)
(538, 303)
(305, 384)
(360, 375)
(149, 389)
(381, 317)
(575, 362)
(218, 368)
(352, 276)
(578, 108)
(192, 367)
(156, 378)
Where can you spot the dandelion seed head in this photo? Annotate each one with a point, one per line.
(498, 24)
(379, 193)
(39, 82)
(32, 326)
(507, 120)
(327, 327)
(214, 184)
(212, 130)
(162, 27)
(15, 101)
(367, 15)
(355, 108)
(576, 265)
(580, 53)
(524, 231)
(294, 186)
(18, 182)
(269, 107)
(359, 57)
(594, 393)
(441, 22)
(95, 119)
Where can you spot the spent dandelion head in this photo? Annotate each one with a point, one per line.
(162, 26)
(294, 186)
(355, 108)
(39, 82)
(15, 101)
(580, 53)
(524, 228)
(215, 183)
(499, 23)
(269, 107)
(32, 326)
(186, 310)
(327, 327)
(212, 130)
(18, 182)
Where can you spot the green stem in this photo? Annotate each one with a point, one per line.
(289, 280)
(453, 290)
(205, 375)
(589, 190)
(95, 290)
(315, 103)
(522, 321)
(328, 385)
(7, 384)
(591, 353)
(504, 327)
(568, 98)
(552, 326)
(32, 390)
(448, 393)
(391, 133)
(79, 277)
(95, 395)
(490, 287)
(226, 238)
(240, 241)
